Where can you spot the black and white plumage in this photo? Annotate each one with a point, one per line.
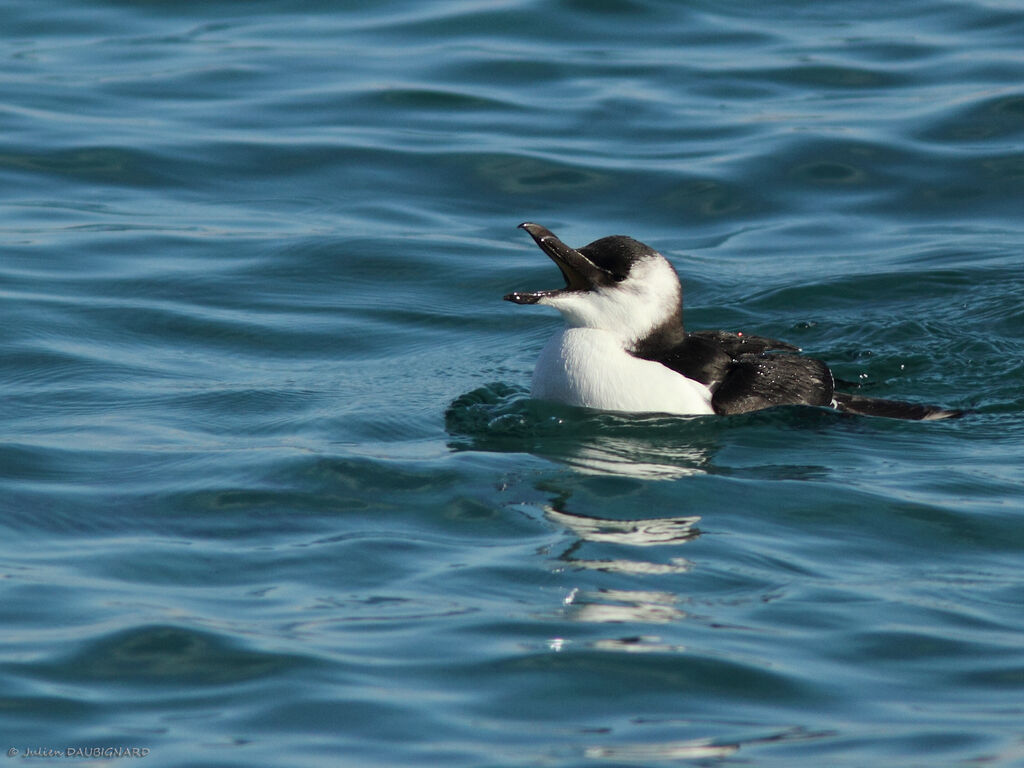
(624, 347)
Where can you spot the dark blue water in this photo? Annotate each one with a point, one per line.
(271, 488)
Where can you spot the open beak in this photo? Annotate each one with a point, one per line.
(580, 273)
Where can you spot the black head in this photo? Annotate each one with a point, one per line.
(603, 262)
(616, 254)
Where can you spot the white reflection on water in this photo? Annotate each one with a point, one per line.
(637, 644)
(622, 605)
(631, 457)
(669, 750)
(631, 644)
(625, 606)
(675, 565)
(652, 532)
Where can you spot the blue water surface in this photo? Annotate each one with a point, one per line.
(272, 490)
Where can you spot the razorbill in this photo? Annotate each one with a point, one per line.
(624, 347)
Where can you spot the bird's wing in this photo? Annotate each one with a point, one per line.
(736, 344)
(708, 356)
(753, 382)
(697, 357)
(743, 378)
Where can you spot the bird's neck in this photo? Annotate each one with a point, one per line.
(666, 336)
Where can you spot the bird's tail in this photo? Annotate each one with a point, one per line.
(892, 409)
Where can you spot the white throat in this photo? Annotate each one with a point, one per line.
(630, 309)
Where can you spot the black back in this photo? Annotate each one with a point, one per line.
(754, 382)
(744, 373)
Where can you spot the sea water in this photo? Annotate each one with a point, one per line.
(272, 491)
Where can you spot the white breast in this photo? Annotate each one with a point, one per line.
(589, 367)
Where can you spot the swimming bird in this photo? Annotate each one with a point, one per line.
(624, 346)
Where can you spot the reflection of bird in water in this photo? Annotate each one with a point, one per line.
(632, 457)
(638, 533)
(615, 606)
(496, 417)
(692, 749)
(661, 531)
(624, 347)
